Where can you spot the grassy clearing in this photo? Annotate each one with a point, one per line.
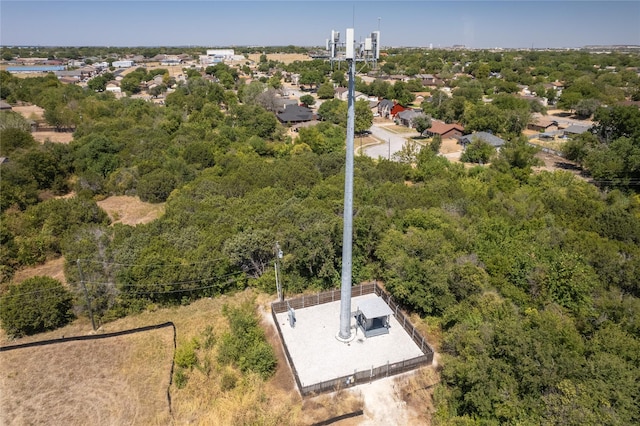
(400, 130)
(123, 380)
(555, 144)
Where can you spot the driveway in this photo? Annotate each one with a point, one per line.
(390, 142)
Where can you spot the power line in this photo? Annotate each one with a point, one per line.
(150, 264)
(217, 278)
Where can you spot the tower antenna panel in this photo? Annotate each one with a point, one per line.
(350, 44)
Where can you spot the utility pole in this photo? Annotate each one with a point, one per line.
(86, 295)
(276, 264)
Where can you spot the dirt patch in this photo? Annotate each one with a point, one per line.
(173, 70)
(30, 112)
(283, 379)
(70, 382)
(553, 163)
(130, 210)
(449, 146)
(57, 137)
(53, 268)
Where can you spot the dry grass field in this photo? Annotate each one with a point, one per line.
(118, 380)
(130, 210)
(52, 268)
(124, 379)
(286, 58)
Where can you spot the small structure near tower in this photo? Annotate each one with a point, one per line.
(372, 317)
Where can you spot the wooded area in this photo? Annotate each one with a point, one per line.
(533, 279)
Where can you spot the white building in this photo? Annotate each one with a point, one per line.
(215, 56)
(122, 64)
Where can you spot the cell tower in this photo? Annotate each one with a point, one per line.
(369, 51)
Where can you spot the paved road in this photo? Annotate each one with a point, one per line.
(394, 142)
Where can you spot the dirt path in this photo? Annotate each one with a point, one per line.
(382, 404)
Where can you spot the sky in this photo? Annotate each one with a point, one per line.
(420, 23)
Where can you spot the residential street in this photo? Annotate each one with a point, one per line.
(391, 142)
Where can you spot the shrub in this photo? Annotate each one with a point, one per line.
(186, 354)
(246, 346)
(180, 378)
(37, 304)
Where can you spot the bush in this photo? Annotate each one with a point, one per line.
(186, 354)
(156, 186)
(38, 304)
(246, 346)
(180, 378)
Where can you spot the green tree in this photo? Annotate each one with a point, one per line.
(338, 78)
(478, 151)
(586, 107)
(617, 121)
(307, 100)
(363, 116)
(37, 304)
(251, 250)
(98, 84)
(519, 156)
(156, 186)
(14, 138)
(325, 91)
(422, 123)
(569, 100)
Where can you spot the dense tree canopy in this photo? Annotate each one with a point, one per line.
(531, 278)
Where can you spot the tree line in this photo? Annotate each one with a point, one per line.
(531, 278)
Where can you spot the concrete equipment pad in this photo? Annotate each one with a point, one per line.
(319, 356)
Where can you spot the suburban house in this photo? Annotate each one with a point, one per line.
(443, 129)
(429, 80)
(384, 108)
(342, 93)
(295, 114)
(113, 87)
(395, 110)
(489, 138)
(407, 117)
(543, 125)
(389, 109)
(575, 129)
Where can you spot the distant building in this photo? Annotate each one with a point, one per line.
(215, 56)
(489, 138)
(295, 114)
(445, 130)
(575, 129)
(407, 117)
(122, 64)
(543, 125)
(36, 69)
